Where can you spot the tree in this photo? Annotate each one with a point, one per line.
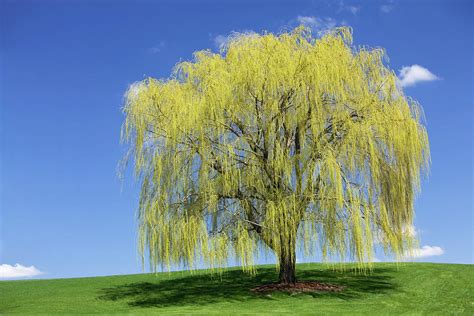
(278, 141)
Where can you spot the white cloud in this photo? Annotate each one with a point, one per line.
(317, 24)
(373, 259)
(17, 271)
(411, 75)
(307, 20)
(410, 230)
(157, 48)
(353, 9)
(134, 89)
(220, 41)
(386, 8)
(415, 253)
(423, 252)
(407, 230)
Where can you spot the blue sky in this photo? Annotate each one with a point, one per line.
(65, 66)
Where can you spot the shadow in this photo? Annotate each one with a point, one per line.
(234, 285)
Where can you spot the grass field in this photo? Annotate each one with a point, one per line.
(412, 288)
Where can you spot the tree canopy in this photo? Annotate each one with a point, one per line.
(276, 142)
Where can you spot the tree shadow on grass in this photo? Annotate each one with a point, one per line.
(234, 285)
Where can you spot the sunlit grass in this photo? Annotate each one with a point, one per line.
(413, 288)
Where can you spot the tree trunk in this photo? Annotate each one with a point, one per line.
(287, 268)
(286, 257)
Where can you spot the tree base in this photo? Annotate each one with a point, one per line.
(302, 286)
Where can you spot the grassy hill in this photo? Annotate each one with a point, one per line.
(412, 288)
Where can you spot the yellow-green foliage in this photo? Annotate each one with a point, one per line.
(279, 140)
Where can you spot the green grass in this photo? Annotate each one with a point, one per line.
(412, 288)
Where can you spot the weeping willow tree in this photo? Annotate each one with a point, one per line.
(283, 142)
